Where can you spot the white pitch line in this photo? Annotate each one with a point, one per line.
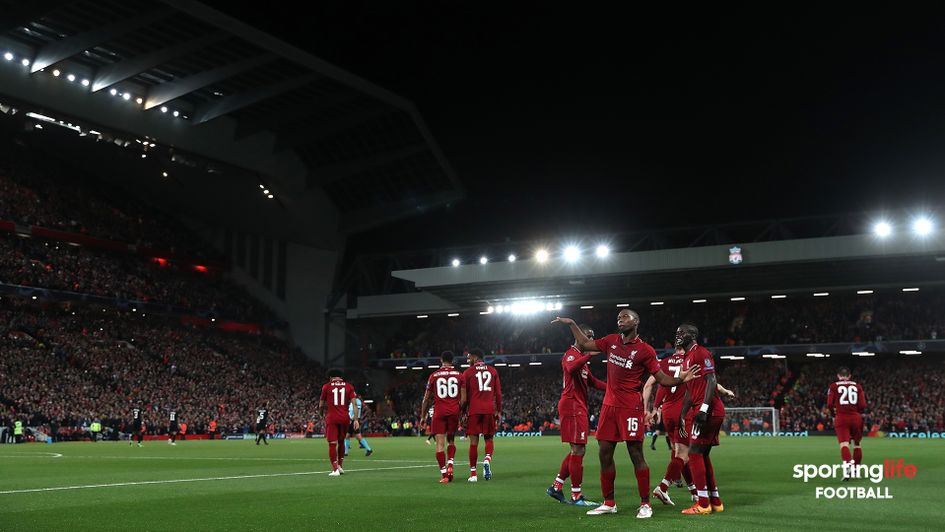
(231, 458)
(34, 455)
(208, 479)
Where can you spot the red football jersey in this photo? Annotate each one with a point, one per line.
(846, 397)
(337, 395)
(627, 368)
(444, 385)
(673, 396)
(482, 389)
(577, 374)
(700, 356)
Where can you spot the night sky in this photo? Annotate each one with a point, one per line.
(566, 121)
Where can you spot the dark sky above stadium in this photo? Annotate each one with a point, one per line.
(571, 119)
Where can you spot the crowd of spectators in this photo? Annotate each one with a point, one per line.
(848, 318)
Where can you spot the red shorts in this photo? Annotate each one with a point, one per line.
(444, 424)
(620, 424)
(574, 428)
(709, 434)
(480, 424)
(848, 427)
(336, 431)
(671, 424)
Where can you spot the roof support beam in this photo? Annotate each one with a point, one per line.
(165, 92)
(306, 132)
(26, 12)
(56, 51)
(272, 121)
(122, 70)
(229, 104)
(337, 172)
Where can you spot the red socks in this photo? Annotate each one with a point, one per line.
(577, 475)
(563, 473)
(673, 471)
(441, 460)
(607, 486)
(845, 454)
(711, 486)
(697, 466)
(473, 458)
(857, 455)
(643, 483)
(687, 475)
(450, 452)
(333, 455)
(490, 445)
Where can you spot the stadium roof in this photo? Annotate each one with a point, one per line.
(238, 95)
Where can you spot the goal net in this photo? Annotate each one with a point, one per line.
(762, 419)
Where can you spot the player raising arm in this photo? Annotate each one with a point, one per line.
(622, 415)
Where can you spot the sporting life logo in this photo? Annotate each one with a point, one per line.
(874, 473)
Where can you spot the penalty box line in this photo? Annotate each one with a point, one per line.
(207, 479)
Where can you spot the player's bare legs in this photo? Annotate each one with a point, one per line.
(642, 471)
(473, 456)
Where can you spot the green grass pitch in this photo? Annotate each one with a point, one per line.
(235, 485)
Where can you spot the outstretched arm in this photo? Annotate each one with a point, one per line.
(580, 339)
(725, 391)
(684, 376)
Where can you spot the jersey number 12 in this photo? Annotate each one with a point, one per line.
(485, 381)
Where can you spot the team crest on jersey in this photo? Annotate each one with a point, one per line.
(735, 255)
(570, 358)
(613, 347)
(633, 355)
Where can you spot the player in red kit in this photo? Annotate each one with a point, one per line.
(847, 400)
(481, 394)
(572, 410)
(443, 385)
(667, 407)
(622, 417)
(701, 423)
(336, 396)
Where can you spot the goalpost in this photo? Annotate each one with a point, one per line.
(752, 419)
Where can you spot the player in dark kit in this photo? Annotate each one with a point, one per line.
(847, 400)
(172, 428)
(572, 410)
(262, 422)
(333, 406)
(443, 385)
(702, 423)
(481, 393)
(622, 417)
(136, 424)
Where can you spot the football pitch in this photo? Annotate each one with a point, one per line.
(235, 485)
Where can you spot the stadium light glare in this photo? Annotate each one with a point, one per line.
(400, 367)
(773, 355)
(815, 355)
(56, 72)
(164, 174)
(779, 296)
(85, 82)
(656, 303)
(549, 306)
(602, 251)
(910, 289)
(821, 294)
(572, 253)
(558, 305)
(455, 263)
(270, 196)
(25, 62)
(71, 77)
(541, 255)
(163, 108)
(534, 363)
(422, 316)
(500, 364)
(499, 309)
(729, 357)
(433, 366)
(515, 365)
(737, 298)
(490, 310)
(266, 191)
(623, 305)
(8, 56)
(882, 229)
(483, 259)
(699, 300)
(453, 314)
(126, 96)
(864, 292)
(176, 114)
(139, 100)
(863, 354)
(512, 258)
(483, 312)
(922, 226)
(586, 307)
(910, 352)
(417, 368)
(113, 92)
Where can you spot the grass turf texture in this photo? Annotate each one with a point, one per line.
(397, 489)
